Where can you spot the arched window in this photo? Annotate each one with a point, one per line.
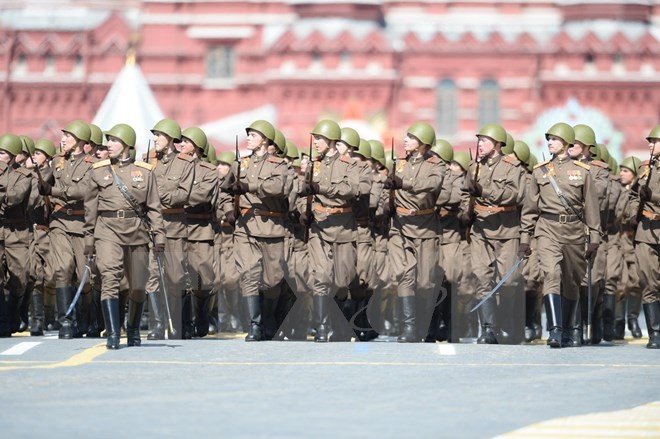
(489, 102)
(447, 108)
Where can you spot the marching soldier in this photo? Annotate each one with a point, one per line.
(494, 182)
(199, 210)
(332, 248)
(645, 209)
(15, 187)
(260, 226)
(66, 223)
(414, 235)
(174, 174)
(121, 206)
(560, 201)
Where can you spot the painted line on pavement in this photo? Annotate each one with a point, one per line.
(640, 421)
(79, 359)
(20, 348)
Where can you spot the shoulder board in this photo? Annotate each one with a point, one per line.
(511, 159)
(541, 164)
(62, 154)
(144, 165)
(433, 159)
(644, 163)
(89, 159)
(24, 171)
(644, 173)
(348, 160)
(599, 164)
(582, 165)
(273, 159)
(206, 165)
(105, 162)
(152, 155)
(185, 157)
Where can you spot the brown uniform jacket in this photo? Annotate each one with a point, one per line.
(542, 206)
(103, 198)
(361, 202)
(201, 205)
(16, 186)
(175, 174)
(648, 230)
(449, 203)
(69, 192)
(338, 179)
(415, 202)
(40, 204)
(496, 209)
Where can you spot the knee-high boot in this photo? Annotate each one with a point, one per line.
(652, 316)
(553, 309)
(37, 323)
(409, 331)
(133, 322)
(112, 326)
(572, 318)
(487, 312)
(64, 298)
(253, 307)
(321, 314)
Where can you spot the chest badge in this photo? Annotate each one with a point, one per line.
(574, 175)
(137, 176)
(317, 169)
(245, 163)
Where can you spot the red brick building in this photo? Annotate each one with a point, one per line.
(456, 64)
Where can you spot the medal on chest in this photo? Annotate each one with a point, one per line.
(574, 175)
(137, 176)
(245, 163)
(400, 165)
(551, 171)
(317, 169)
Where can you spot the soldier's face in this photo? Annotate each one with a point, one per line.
(5, 157)
(161, 141)
(68, 142)
(411, 143)
(485, 145)
(102, 153)
(342, 148)
(456, 168)
(116, 148)
(577, 150)
(321, 144)
(626, 175)
(555, 145)
(21, 158)
(254, 140)
(87, 148)
(40, 157)
(654, 145)
(187, 146)
(304, 162)
(223, 169)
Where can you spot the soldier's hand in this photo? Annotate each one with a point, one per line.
(159, 249)
(230, 217)
(645, 194)
(312, 188)
(44, 187)
(306, 220)
(524, 250)
(395, 182)
(475, 189)
(466, 219)
(89, 250)
(294, 217)
(590, 252)
(239, 188)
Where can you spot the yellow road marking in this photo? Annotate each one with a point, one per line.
(641, 421)
(79, 359)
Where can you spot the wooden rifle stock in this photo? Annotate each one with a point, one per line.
(310, 198)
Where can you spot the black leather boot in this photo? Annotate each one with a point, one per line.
(365, 330)
(13, 313)
(186, 317)
(111, 317)
(24, 308)
(530, 315)
(37, 323)
(253, 307)
(409, 331)
(634, 304)
(553, 309)
(201, 315)
(81, 325)
(321, 314)
(157, 317)
(268, 317)
(133, 322)
(652, 315)
(572, 317)
(597, 322)
(64, 298)
(5, 330)
(95, 315)
(609, 301)
(487, 312)
(342, 330)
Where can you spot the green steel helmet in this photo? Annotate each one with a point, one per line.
(377, 149)
(132, 153)
(654, 134)
(11, 143)
(291, 150)
(632, 163)
(601, 153)
(562, 130)
(493, 131)
(279, 141)
(168, 127)
(210, 155)
(613, 165)
(28, 144)
(423, 132)
(226, 157)
(510, 144)
(388, 162)
(350, 137)
(96, 135)
(297, 162)
(584, 134)
(364, 149)
(328, 129)
(196, 136)
(123, 132)
(443, 149)
(264, 128)
(78, 129)
(463, 159)
(533, 161)
(521, 150)
(45, 146)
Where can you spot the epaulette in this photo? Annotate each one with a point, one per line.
(348, 160)
(206, 165)
(105, 162)
(275, 159)
(541, 164)
(433, 159)
(144, 165)
(582, 165)
(89, 159)
(645, 172)
(152, 155)
(185, 157)
(599, 164)
(24, 171)
(511, 160)
(62, 154)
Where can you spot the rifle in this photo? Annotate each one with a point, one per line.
(473, 200)
(640, 208)
(310, 198)
(237, 197)
(392, 191)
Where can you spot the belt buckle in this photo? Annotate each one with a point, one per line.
(69, 212)
(563, 218)
(121, 214)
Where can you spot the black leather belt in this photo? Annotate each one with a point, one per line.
(119, 214)
(560, 218)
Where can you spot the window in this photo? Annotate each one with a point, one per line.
(220, 62)
(49, 64)
(447, 107)
(489, 102)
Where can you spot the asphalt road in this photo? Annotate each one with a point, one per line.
(228, 388)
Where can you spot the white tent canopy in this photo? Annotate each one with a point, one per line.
(131, 101)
